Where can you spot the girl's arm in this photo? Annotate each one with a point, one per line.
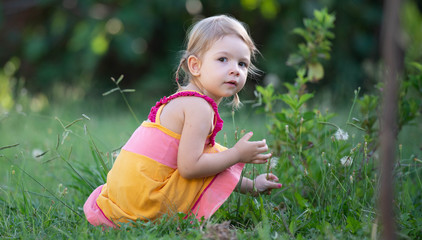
(193, 163)
(259, 185)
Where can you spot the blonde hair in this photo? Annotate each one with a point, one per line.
(203, 34)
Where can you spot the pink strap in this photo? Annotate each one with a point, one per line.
(218, 121)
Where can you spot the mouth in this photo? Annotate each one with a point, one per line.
(232, 83)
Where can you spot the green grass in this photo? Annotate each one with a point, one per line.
(42, 197)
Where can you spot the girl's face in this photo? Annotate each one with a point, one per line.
(223, 69)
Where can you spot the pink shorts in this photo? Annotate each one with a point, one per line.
(93, 213)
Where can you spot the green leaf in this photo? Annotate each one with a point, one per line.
(292, 227)
(290, 87)
(352, 224)
(300, 31)
(301, 201)
(282, 118)
(289, 101)
(315, 72)
(304, 98)
(416, 65)
(318, 15)
(308, 116)
(294, 59)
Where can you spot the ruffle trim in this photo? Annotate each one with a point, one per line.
(218, 123)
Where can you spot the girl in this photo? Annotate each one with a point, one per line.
(171, 163)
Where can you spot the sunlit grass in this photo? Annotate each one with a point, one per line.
(41, 195)
(44, 203)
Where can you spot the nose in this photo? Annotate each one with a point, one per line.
(234, 70)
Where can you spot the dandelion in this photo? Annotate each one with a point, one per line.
(346, 161)
(273, 162)
(37, 153)
(341, 135)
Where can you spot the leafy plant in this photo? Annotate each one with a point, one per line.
(331, 176)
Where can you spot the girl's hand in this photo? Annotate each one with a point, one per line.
(251, 151)
(264, 184)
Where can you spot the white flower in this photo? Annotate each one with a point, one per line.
(341, 135)
(273, 162)
(346, 161)
(37, 153)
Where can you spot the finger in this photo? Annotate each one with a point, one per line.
(272, 185)
(265, 156)
(247, 136)
(262, 143)
(257, 161)
(262, 157)
(272, 177)
(263, 149)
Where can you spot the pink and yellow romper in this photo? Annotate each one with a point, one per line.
(145, 183)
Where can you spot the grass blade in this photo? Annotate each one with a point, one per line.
(128, 90)
(75, 121)
(45, 188)
(74, 170)
(120, 79)
(111, 91)
(9, 146)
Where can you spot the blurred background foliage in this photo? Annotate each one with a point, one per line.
(69, 49)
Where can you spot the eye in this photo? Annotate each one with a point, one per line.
(222, 59)
(243, 64)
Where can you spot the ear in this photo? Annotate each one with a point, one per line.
(194, 65)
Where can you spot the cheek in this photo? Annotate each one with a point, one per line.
(245, 74)
(242, 83)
